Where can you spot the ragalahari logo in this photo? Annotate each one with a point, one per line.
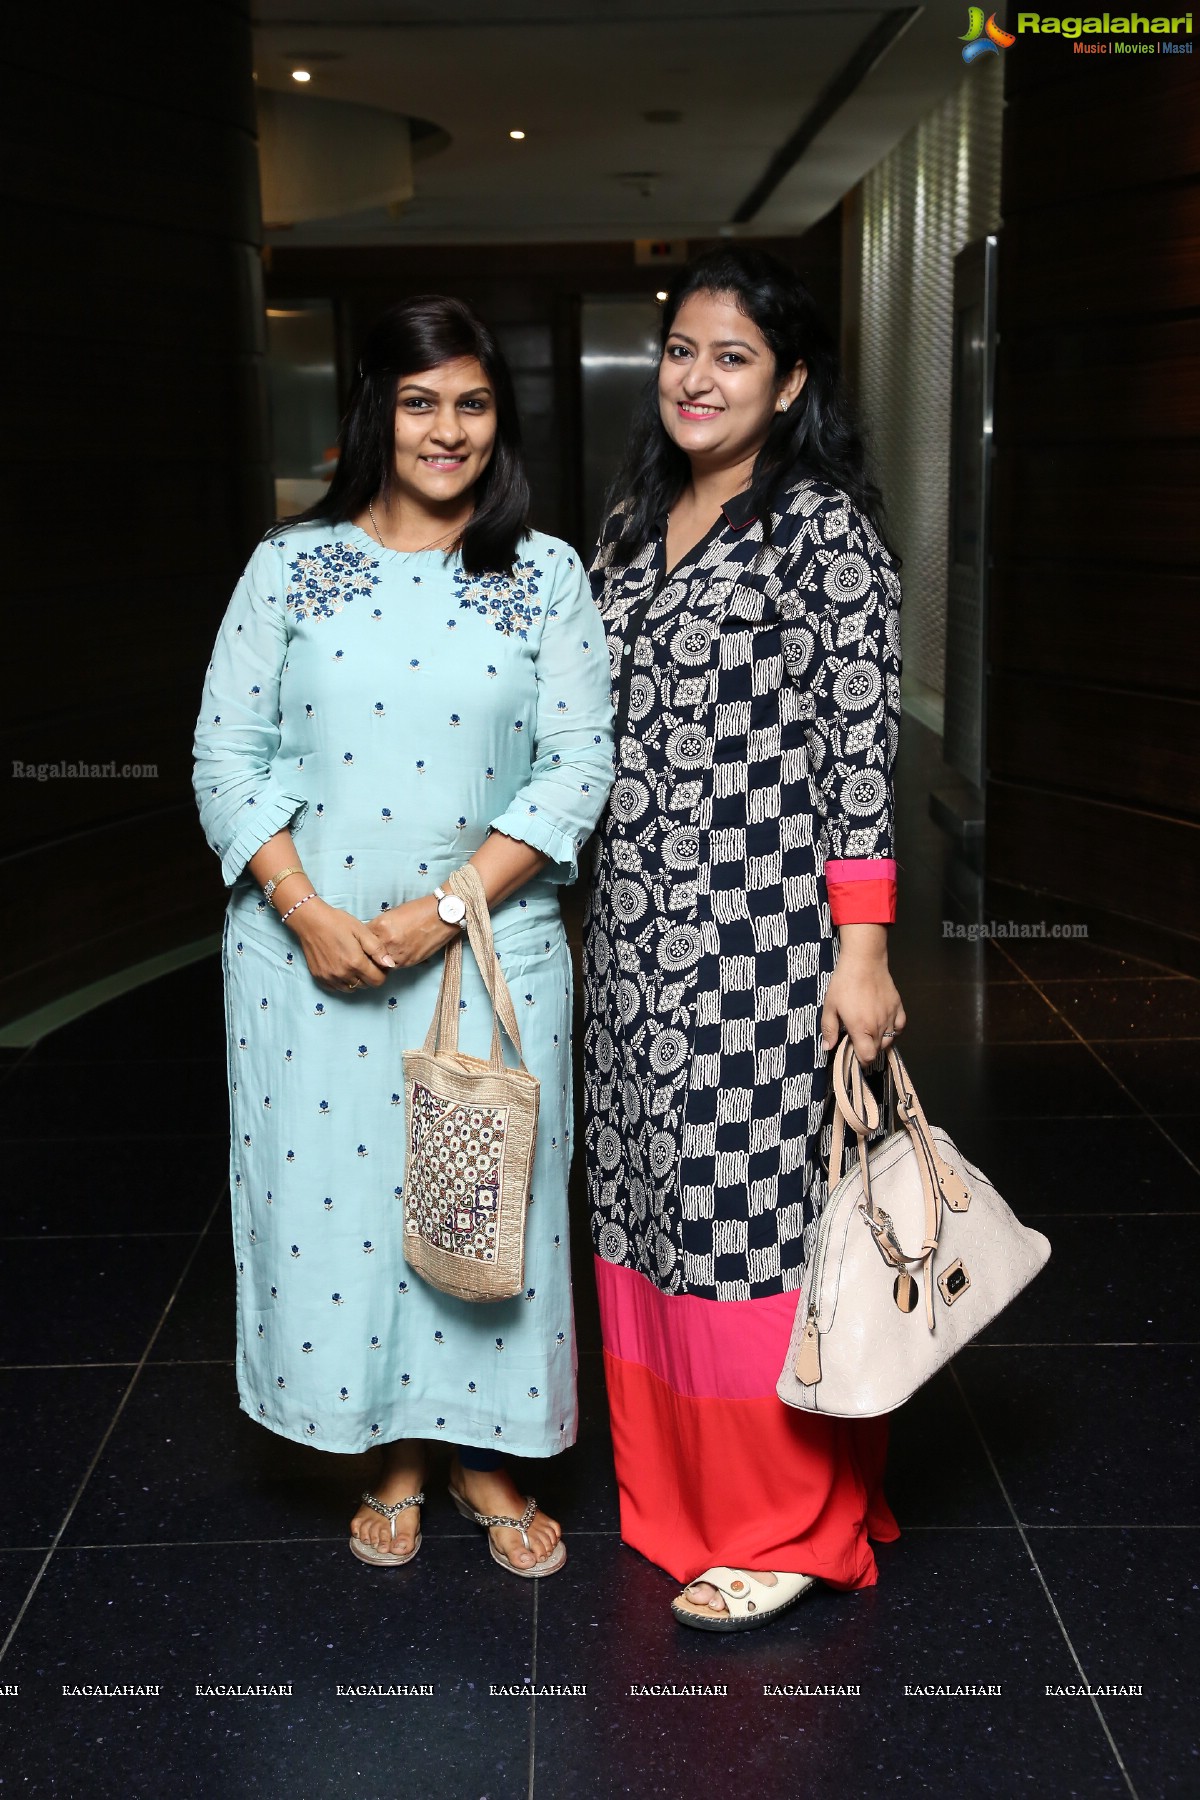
(980, 39)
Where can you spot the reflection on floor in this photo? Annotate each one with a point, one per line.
(155, 1535)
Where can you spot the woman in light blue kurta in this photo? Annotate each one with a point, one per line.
(390, 710)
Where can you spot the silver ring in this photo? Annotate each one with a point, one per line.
(890, 1034)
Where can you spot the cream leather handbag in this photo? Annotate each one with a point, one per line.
(911, 1215)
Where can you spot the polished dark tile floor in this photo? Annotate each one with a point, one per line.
(1045, 1482)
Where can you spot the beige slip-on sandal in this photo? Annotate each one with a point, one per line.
(749, 1601)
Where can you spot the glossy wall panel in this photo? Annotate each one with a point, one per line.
(1067, 387)
(134, 468)
(1063, 619)
(1104, 256)
(1123, 131)
(1093, 802)
(1111, 742)
(1138, 864)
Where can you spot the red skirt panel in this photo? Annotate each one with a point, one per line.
(712, 1467)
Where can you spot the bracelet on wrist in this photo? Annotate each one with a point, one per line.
(303, 901)
(283, 875)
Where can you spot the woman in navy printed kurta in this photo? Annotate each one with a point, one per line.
(391, 710)
(751, 609)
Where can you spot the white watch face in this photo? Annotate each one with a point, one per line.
(452, 910)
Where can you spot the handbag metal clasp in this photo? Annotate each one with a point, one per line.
(884, 1232)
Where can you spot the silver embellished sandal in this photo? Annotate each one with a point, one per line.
(387, 1559)
(549, 1565)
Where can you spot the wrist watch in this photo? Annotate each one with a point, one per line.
(451, 909)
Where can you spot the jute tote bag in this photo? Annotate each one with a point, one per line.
(470, 1133)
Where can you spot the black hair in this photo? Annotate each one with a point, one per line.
(816, 436)
(415, 335)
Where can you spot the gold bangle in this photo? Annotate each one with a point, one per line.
(275, 880)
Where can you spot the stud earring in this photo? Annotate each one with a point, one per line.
(783, 405)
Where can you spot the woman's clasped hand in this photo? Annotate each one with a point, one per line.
(342, 952)
(340, 949)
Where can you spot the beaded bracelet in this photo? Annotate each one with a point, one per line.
(284, 917)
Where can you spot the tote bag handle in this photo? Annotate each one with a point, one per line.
(442, 1035)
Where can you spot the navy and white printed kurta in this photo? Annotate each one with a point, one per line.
(389, 709)
(758, 699)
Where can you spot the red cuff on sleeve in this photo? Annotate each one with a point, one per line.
(862, 890)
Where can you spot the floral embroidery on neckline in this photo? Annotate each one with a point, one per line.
(322, 579)
(508, 600)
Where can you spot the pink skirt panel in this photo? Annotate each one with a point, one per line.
(705, 1349)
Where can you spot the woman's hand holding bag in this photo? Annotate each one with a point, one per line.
(861, 999)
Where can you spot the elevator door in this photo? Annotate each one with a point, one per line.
(618, 355)
(302, 383)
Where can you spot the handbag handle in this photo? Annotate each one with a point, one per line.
(856, 1107)
(950, 1187)
(442, 1035)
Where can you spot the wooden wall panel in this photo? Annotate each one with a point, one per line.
(188, 515)
(195, 62)
(1125, 255)
(1143, 749)
(1133, 500)
(1071, 84)
(1134, 864)
(148, 739)
(134, 468)
(99, 621)
(1078, 620)
(206, 177)
(214, 395)
(1069, 387)
(1093, 744)
(1117, 141)
(152, 886)
(140, 287)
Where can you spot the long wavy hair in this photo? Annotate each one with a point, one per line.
(407, 339)
(816, 436)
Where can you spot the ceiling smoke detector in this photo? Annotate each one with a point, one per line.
(642, 181)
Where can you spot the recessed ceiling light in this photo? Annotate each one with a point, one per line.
(517, 135)
(661, 294)
(301, 75)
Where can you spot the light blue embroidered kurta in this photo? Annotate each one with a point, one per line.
(390, 709)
